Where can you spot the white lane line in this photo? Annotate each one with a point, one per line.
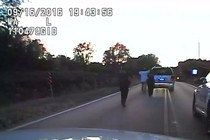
(174, 115)
(166, 130)
(62, 112)
(68, 110)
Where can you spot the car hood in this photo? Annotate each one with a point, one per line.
(80, 134)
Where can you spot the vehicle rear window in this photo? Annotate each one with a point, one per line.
(162, 71)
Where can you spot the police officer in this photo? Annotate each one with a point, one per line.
(124, 86)
(150, 83)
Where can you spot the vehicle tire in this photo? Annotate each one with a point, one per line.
(195, 113)
(208, 118)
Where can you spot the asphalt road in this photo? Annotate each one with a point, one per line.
(167, 113)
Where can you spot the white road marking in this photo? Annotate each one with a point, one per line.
(65, 111)
(175, 122)
(62, 112)
(166, 130)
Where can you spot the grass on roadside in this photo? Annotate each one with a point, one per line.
(19, 113)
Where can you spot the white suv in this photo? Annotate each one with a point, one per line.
(201, 100)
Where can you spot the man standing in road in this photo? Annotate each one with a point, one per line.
(150, 83)
(143, 79)
(124, 86)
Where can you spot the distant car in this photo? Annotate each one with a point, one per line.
(201, 100)
(164, 77)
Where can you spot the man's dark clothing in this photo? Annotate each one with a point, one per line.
(124, 95)
(124, 86)
(150, 84)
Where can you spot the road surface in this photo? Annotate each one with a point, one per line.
(167, 113)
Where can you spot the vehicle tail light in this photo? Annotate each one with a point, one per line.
(173, 78)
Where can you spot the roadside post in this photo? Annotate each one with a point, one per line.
(50, 83)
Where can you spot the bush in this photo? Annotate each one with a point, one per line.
(20, 86)
(114, 82)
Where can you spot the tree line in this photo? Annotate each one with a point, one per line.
(20, 52)
(25, 64)
(184, 68)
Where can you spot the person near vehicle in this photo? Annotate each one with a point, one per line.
(143, 79)
(124, 86)
(150, 83)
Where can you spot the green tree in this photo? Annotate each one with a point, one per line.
(132, 66)
(61, 62)
(147, 61)
(186, 67)
(13, 50)
(10, 19)
(83, 52)
(48, 56)
(36, 49)
(95, 67)
(117, 54)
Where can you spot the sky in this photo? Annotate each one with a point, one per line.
(170, 29)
